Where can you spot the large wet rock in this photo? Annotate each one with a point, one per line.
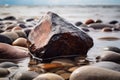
(9, 52)
(54, 37)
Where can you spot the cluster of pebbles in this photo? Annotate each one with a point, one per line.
(14, 47)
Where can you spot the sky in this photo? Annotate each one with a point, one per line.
(60, 2)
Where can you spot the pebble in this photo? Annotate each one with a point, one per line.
(85, 29)
(115, 49)
(47, 66)
(1, 23)
(89, 21)
(100, 25)
(12, 35)
(16, 28)
(22, 25)
(28, 20)
(5, 39)
(65, 75)
(98, 21)
(3, 72)
(116, 29)
(60, 72)
(27, 31)
(9, 18)
(10, 27)
(94, 73)
(81, 61)
(8, 64)
(21, 33)
(108, 65)
(109, 56)
(109, 38)
(72, 69)
(106, 29)
(113, 22)
(1, 19)
(20, 42)
(9, 52)
(48, 76)
(78, 23)
(1, 31)
(64, 62)
(25, 75)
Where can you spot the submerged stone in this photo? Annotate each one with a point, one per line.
(99, 25)
(109, 38)
(8, 64)
(54, 37)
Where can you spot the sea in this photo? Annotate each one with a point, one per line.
(70, 13)
(73, 14)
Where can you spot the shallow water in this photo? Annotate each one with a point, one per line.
(72, 14)
(100, 44)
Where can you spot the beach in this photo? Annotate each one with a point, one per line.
(82, 17)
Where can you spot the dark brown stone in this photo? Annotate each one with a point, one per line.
(54, 37)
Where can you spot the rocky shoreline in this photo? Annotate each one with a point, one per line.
(57, 49)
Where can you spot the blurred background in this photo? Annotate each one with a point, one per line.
(60, 2)
(72, 10)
